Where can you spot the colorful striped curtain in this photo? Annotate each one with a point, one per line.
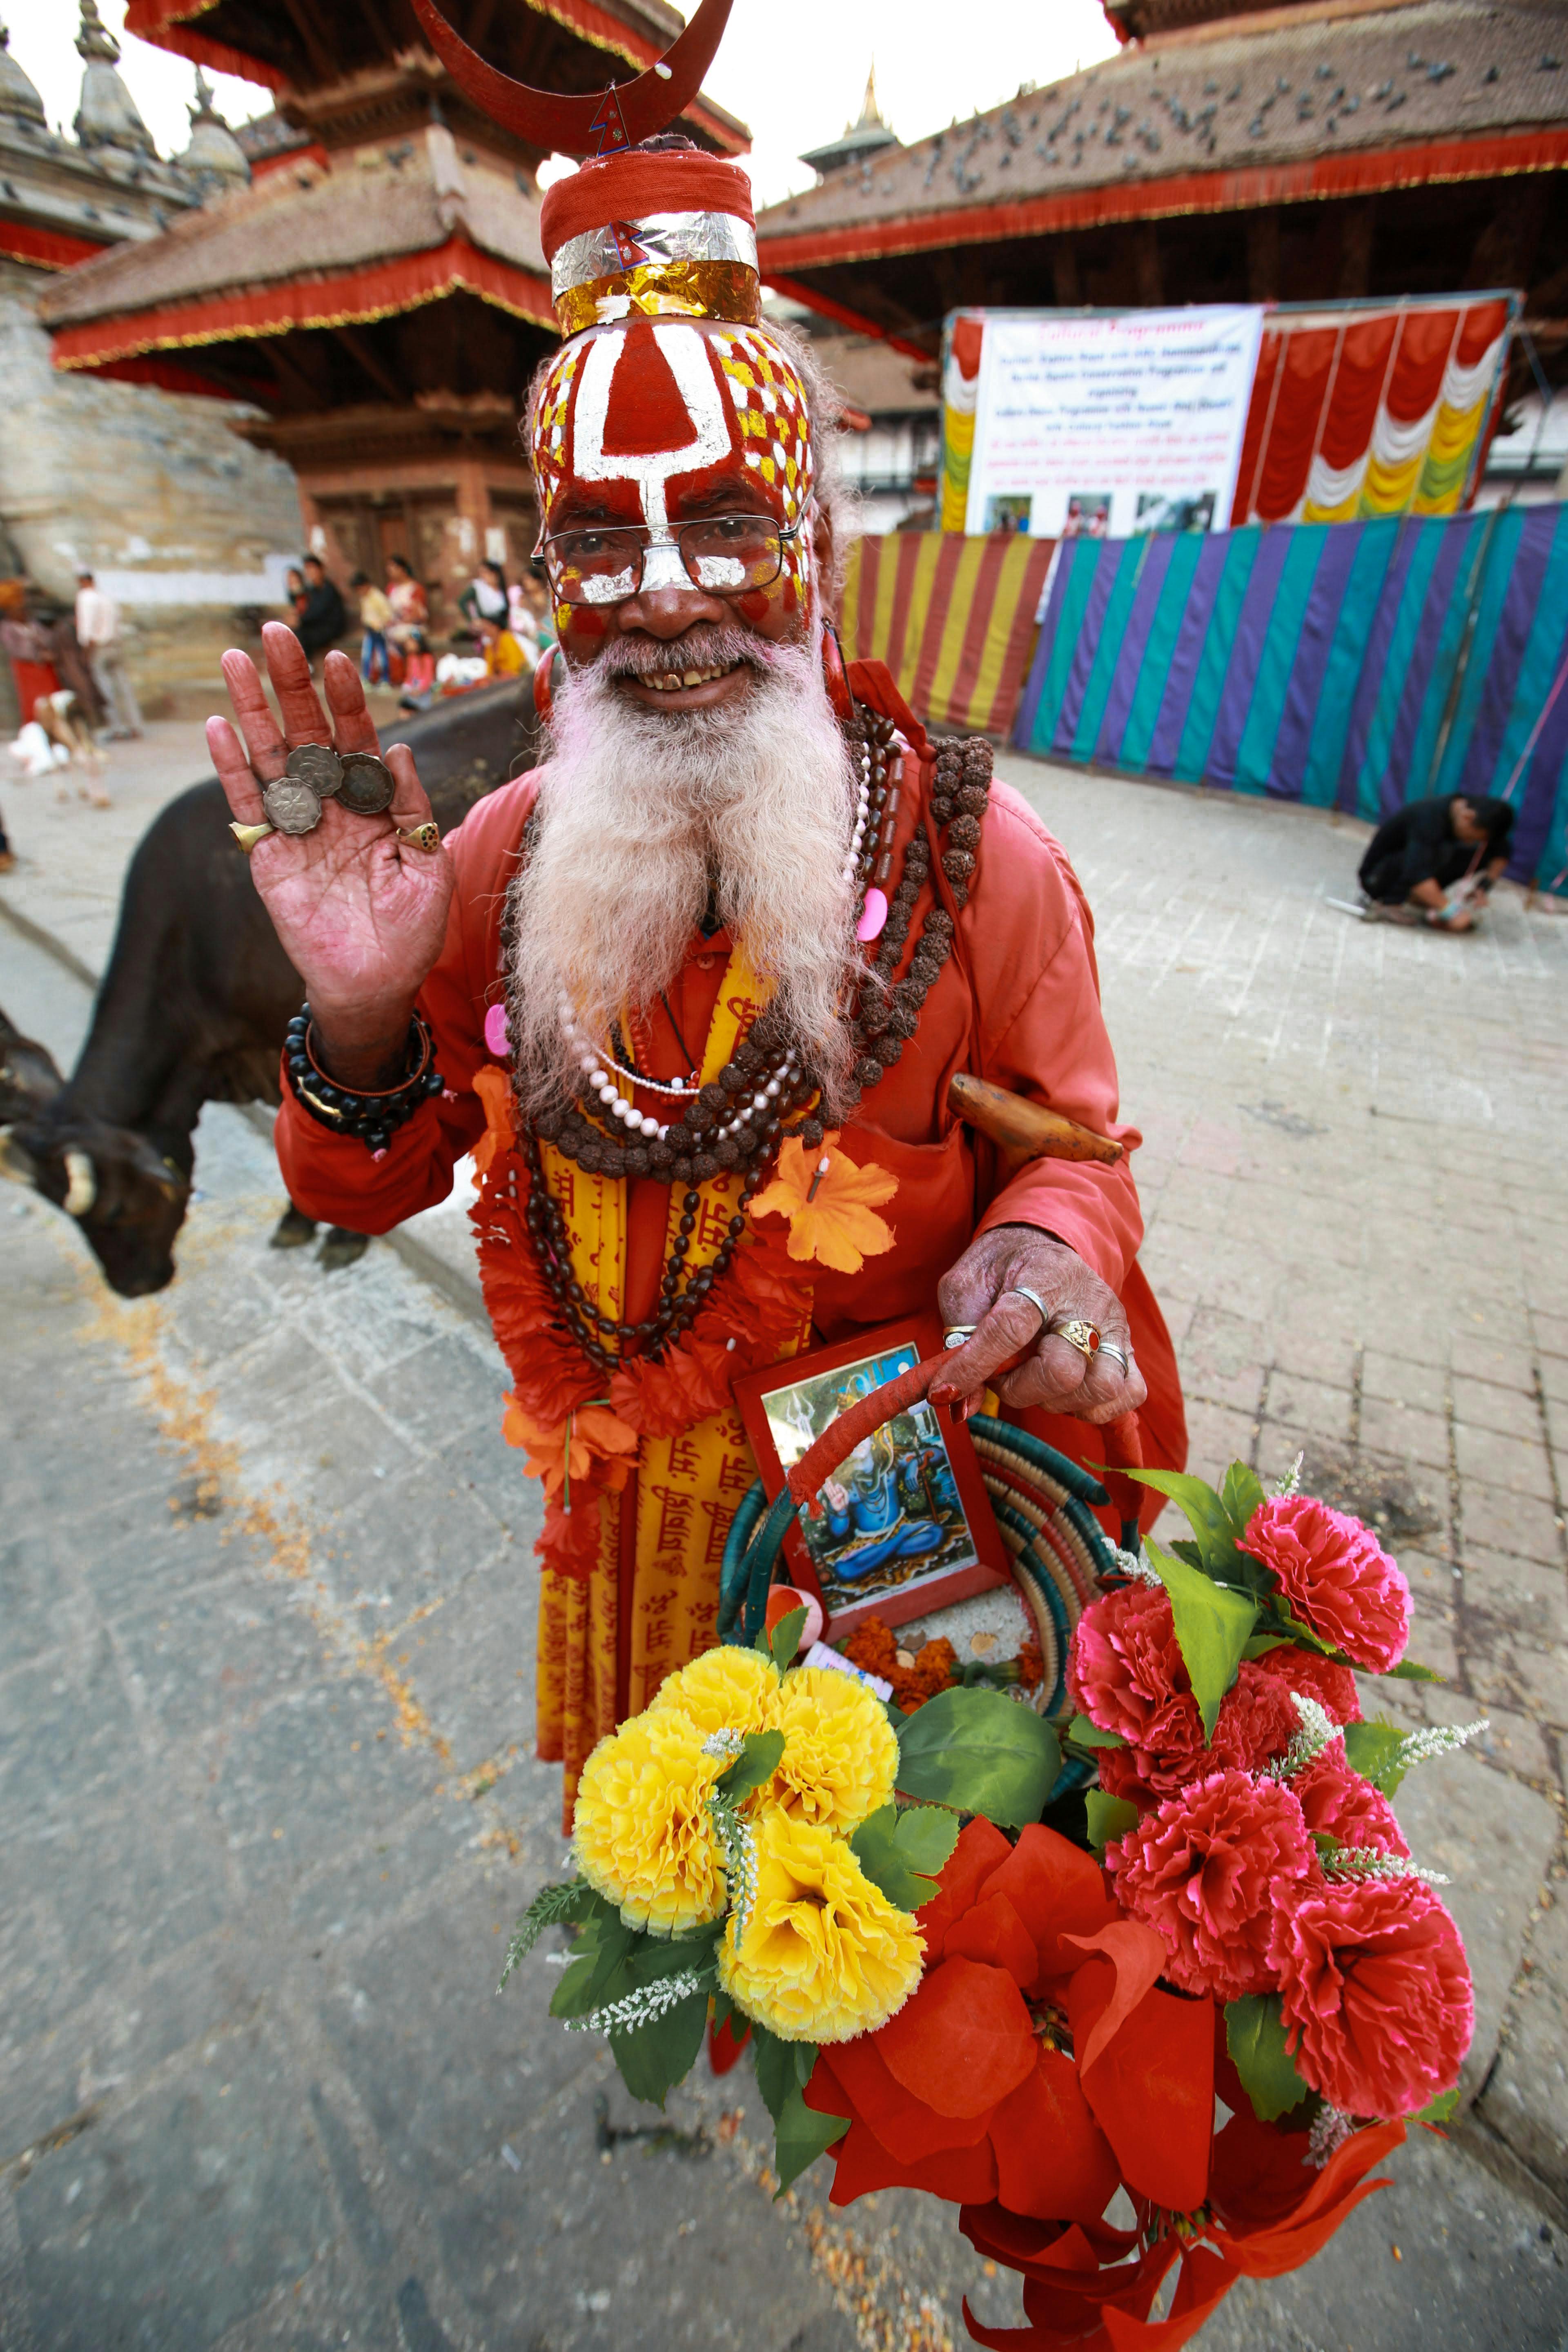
(1369, 410)
(1351, 665)
(953, 618)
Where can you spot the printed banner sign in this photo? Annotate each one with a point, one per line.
(1104, 425)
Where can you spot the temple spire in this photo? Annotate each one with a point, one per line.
(107, 115)
(214, 157)
(19, 98)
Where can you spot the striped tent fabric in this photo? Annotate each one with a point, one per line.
(953, 618)
(1350, 666)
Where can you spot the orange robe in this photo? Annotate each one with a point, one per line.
(1017, 1003)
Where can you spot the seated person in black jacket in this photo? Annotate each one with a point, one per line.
(323, 616)
(1430, 847)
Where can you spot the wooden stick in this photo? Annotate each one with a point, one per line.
(1024, 1131)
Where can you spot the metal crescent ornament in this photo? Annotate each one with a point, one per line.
(605, 123)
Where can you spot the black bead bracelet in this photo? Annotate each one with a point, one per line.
(375, 1118)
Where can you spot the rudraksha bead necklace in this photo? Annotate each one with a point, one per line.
(764, 1094)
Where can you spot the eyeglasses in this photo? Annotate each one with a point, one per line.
(724, 554)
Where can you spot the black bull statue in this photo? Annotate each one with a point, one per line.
(193, 1008)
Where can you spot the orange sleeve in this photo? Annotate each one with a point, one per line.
(1043, 1034)
(333, 1178)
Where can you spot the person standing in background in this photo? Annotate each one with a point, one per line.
(324, 616)
(375, 619)
(410, 612)
(98, 634)
(484, 597)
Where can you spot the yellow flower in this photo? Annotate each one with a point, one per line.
(824, 1956)
(724, 1690)
(840, 1751)
(642, 1834)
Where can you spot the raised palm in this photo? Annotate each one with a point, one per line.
(360, 912)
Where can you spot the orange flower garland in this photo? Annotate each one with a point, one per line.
(745, 1325)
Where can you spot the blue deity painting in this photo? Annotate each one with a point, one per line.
(891, 1512)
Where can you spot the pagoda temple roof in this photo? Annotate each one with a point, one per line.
(307, 51)
(375, 231)
(1321, 98)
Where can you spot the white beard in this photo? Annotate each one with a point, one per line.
(641, 817)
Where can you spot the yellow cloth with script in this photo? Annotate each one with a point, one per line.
(686, 1485)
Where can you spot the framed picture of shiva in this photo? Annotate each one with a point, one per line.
(903, 1525)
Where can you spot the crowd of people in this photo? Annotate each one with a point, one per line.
(505, 622)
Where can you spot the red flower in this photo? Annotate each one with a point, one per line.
(1126, 1672)
(966, 2091)
(1335, 1575)
(1338, 1803)
(1315, 1677)
(1125, 1666)
(1377, 1992)
(1203, 1870)
(1088, 2288)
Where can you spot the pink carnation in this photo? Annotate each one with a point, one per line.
(1338, 1803)
(1336, 1577)
(1125, 1666)
(1315, 1677)
(1206, 1870)
(1376, 1993)
(1256, 1723)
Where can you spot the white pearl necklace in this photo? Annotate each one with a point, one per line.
(862, 811)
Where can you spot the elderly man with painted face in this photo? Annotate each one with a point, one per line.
(746, 923)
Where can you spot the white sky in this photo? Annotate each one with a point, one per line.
(796, 74)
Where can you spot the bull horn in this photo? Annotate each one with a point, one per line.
(583, 126)
(17, 1167)
(81, 1191)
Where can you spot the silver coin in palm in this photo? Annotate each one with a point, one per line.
(291, 806)
(315, 764)
(367, 786)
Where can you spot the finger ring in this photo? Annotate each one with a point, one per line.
(421, 837)
(248, 835)
(1021, 1290)
(959, 1334)
(1079, 1334)
(1106, 1348)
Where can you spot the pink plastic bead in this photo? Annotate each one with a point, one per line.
(874, 916)
(495, 1031)
(381, 1154)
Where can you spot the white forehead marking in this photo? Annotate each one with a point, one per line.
(687, 355)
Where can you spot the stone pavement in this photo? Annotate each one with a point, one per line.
(268, 1796)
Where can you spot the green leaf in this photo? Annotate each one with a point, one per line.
(598, 1973)
(1204, 1511)
(1373, 1749)
(783, 2067)
(1437, 2110)
(982, 1752)
(1085, 1734)
(1108, 1817)
(567, 2000)
(1255, 2036)
(757, 1762)
(653, 2057)
(1261, 1643)
(785, 1639)
(800, 2137)
(1212, 1624)
(551, 1906)
(1407, 1671)
(1240, 1495)
(902, 1851)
